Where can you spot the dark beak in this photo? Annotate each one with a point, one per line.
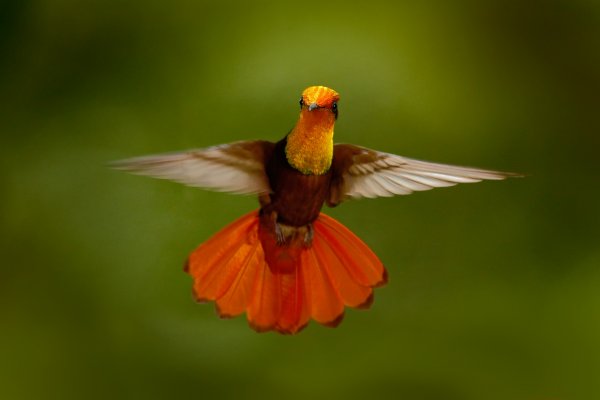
(313, 106)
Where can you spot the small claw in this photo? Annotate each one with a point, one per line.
(279, 234)
(309, 235)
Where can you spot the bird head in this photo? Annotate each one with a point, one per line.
(309, 147)
(319, 100)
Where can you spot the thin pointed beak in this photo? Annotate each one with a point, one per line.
(313, 106)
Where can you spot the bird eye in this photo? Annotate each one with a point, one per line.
(301, 102)
(334, 109)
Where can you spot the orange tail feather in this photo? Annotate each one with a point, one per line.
(281, 288)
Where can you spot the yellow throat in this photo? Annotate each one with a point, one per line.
(309, 146)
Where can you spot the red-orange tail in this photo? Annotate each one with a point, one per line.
(281, 288)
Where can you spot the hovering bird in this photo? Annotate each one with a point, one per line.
(287, 262)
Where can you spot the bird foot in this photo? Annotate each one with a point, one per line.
(285, 234)
(279, 235)
(309, 235)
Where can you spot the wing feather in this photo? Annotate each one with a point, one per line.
(361, 172)
(237, 167)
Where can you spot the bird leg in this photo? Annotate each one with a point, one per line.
(270, 218)
(309, 235)
(286, 234)
(279, 234)
(290, 235)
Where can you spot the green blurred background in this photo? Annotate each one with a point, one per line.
(494, 289)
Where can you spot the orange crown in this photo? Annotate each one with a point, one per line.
(322, 95)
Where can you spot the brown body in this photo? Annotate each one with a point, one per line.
(296, 198)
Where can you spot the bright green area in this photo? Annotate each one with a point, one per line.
(494, 289)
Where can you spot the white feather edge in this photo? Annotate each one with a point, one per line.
(210, 168)
(396, 175)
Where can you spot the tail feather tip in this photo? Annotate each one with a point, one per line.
(367, 303)
(384, 279)
(334, 322)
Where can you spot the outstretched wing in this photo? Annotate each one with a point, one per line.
(237, 167)
(360, 172)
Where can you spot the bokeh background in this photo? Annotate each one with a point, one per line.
(494, 289)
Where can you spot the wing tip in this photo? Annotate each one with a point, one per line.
(137, 163)
(119, 165)
(494, 175)
(513, 175)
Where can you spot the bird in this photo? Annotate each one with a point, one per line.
(287, 263)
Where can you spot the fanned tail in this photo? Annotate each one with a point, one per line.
(281, 287)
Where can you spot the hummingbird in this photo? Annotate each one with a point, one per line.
(287, 262)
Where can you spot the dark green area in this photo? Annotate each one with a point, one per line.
(494, 288)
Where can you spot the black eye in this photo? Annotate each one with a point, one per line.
(301, 102)
(334, 109)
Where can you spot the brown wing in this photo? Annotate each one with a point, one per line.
(360, 172)
(237, 167)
